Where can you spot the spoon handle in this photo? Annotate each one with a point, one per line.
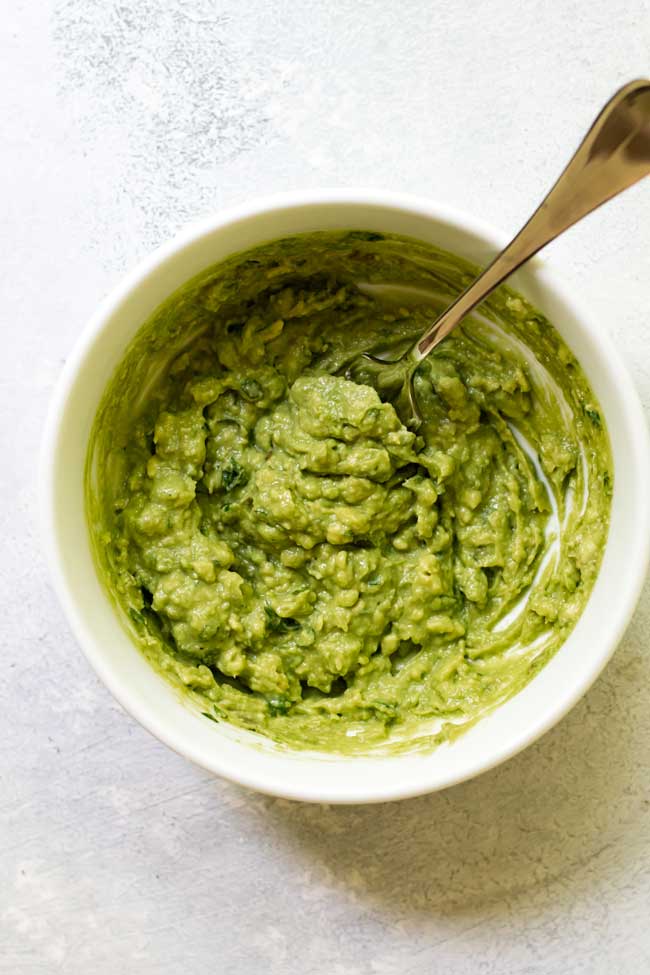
(614, 154)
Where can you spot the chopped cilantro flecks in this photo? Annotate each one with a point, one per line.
(278, 705)
(233, 475)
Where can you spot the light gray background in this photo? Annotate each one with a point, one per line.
(121, 121)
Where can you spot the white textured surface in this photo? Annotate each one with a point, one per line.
(120, 122)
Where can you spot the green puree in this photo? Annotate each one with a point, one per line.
(291, 555)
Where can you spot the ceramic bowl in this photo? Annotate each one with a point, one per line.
(240, 755)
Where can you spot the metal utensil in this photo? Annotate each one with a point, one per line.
(614, 154)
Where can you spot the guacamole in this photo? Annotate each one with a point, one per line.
(289, 554)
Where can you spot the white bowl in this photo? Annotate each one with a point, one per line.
(239, 755)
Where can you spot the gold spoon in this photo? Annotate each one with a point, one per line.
(614, 154)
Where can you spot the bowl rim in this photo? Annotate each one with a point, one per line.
(549, 279)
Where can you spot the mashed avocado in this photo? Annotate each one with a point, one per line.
(297, 560)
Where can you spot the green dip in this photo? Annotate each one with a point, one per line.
(294, 558)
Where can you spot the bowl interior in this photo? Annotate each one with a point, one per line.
(238, 754)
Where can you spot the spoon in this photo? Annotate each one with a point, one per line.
(614, 154)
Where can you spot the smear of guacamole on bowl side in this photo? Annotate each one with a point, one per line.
(291, 555)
